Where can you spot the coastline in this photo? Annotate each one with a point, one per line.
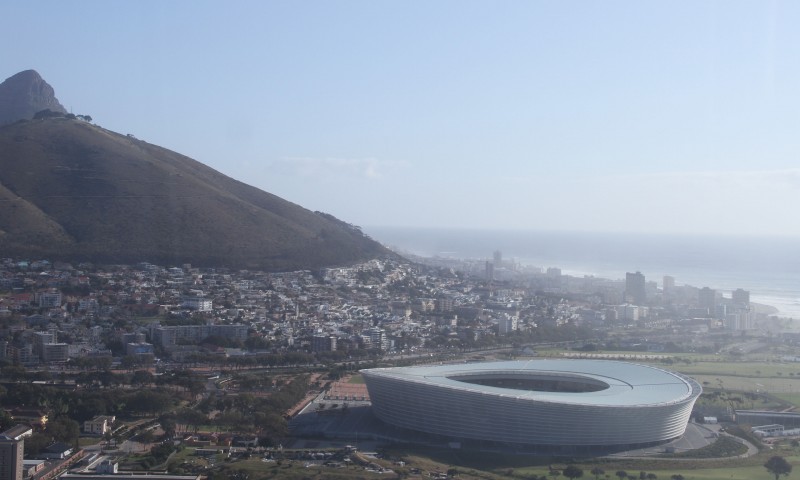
(768, 310)
(760, 308)
(769, 268)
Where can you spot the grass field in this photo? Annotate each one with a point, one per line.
(356, 379)
(86, 441)
(745, 369)
(498, 466)
(257, 469)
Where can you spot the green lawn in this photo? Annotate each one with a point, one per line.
(86, 441)
(356, 379)
(793, 398)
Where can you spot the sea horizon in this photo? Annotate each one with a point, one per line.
(768, 267)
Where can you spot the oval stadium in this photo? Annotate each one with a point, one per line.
(555, 403)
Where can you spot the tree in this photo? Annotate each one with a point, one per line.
(572, 472)
(46, 113)
(37, 442)
(141, 377)
(622, 474)
(778, 466)
(168, 424)
(677, 476)
(597, 471)
(652, 476)
(64, 429)
(6, 421)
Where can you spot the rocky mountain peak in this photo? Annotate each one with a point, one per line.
(24, 94)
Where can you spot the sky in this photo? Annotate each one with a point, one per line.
(614, 116)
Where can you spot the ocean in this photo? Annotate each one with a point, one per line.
(768, 267)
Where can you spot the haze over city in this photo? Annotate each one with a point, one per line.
(614, 116)
(447, 240)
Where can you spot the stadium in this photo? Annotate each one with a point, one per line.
(560, 404)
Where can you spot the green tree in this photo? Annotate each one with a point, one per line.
(35, 443)
(622, 474)
(141, 377)
(572, 472)
(64, 429)
(168, 424)
(778, 466)
(146, 401)
(6, 421)
(677, 476)
(597, 471)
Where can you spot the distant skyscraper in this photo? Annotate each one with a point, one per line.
(489, 271)
(668, 284)
(498, 258)
(741, 297)
(553, 272)
(635, 288)
(707, 299)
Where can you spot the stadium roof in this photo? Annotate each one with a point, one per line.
(626, 384)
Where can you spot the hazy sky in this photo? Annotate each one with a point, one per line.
(561, 115)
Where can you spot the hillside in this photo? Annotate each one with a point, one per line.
(72, 190)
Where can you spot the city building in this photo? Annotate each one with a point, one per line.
(668, 285)
(139, 348)
(489, 271)
(323, 343)
(49, 299)
(574, 405)
(635, 290)
(55, 353)
(707, 300)
(498, 258)
(167, 336)
(200, 304)
(507, 324)
(99, 425)
(12, 446)
(740, 297)
(377, 338)
(444, 304)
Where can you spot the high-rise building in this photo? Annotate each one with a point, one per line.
(377, 338)
(507, 324)
(553, 272)
(707, 300)
(635, 288)
(12, 446)
(489, 271)
(668, 284)
(444, 304)
(49, 299)
(741, 297)
(323, 343)
(498, 258)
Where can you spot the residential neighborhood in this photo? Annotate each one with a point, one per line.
(115, 357)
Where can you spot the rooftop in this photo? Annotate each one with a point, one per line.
(588, 382)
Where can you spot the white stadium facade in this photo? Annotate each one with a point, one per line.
(566, 404)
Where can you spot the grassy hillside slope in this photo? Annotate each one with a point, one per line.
(73, 190)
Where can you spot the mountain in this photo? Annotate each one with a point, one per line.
(72, 190)
(24, 94)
